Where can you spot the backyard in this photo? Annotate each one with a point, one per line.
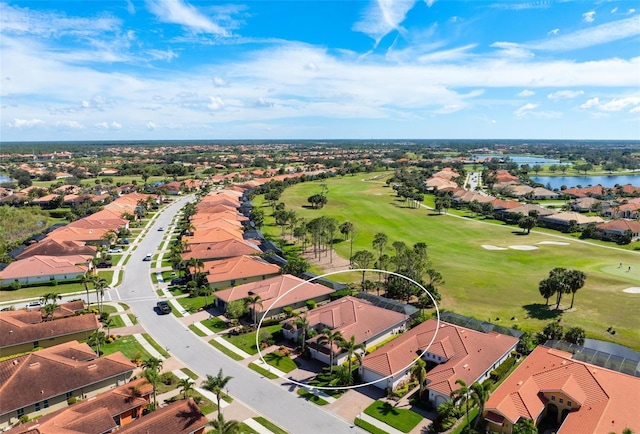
(498, 285)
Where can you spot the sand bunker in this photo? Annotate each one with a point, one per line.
(522, 247)
(554, 243)
(632, 290)
(490, 247)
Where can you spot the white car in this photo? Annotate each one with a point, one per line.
(116, 250)
(34, 305)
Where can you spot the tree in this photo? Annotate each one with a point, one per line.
(552, 331)
(524, 426)
(462, 396)
(329, 338)
(49, 309)
(221, 426)
(50, 297)
(480, 394)
(575, 281)
(257, 217)
(526, 344)
(546, 289)
(216, 385)
(363, 259)
(254, 302)
(85, 280)
(419, 373)
(575, 335)
(295, 266)
(152, 377)
(235, 309)
(97, 338)
(206, 291)
(99, 284)
(346, 229)
(527, 223)
(351, 348)
(302, 324)
(380, 242)
(108, 323)
(186, 385)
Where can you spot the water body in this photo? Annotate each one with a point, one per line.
(521, 159)
(584, 181)
(4, 179)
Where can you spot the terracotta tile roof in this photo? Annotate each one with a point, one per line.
(504, 176)
(596, 190)
(620, 225)
(14, 331)
(53, 371)
(629, 189)
(52, 247)
(239, 267)
(71, 233)
(216, 208)
(504, 204)
(526, 208)
(222, 223)
(213, 235)
(94, 415)
(606, 400)
(580, 219)
(214, 213)
(354, 317)
(222, 249)
(270, 289)
(181, 417)
(37, 265)
(471, 353)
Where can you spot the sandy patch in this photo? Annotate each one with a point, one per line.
(522, 247)
(554, 243)
(490, 247)
(632, 290)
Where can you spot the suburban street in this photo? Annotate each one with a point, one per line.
(261, 395)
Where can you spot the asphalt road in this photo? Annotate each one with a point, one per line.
(263, 396)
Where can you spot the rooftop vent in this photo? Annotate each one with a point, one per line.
(34, 364)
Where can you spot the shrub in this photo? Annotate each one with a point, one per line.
(167, 378)
(311, 304)
(15, 285)
(72, 400)
(288, 311)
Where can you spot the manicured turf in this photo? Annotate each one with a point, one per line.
(225, 350)
(156, 345)
(281, 362)
(247, 341)
(275, 429)
(368, 427)
(128, 345)
(38, 291)
(311, 397)
(260, 370)
(493, 285)
(399, 418)
(190, 373)
(215, 324)
(192, 304)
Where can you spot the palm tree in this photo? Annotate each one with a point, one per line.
(49, 309)
(99, 284)
(86, 280)
(329, 338)
(351, 348)
(186, 386)
(108, 323)
(380, 242)
(254, 301)
(50, 296)
(206, 291)
(152, 363)
(221, 426)
(462, 396)
(97, 338)
(152, 377)
(303, 324)
(216, 385)
(363, 259)
(480, 395)
(575, 280)
(419, 373)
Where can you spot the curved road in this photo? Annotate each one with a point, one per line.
(263, 396)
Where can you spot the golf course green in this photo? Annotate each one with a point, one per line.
(491, 270)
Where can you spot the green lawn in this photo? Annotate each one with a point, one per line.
(197, 331)
(368, 427)
(129, 346)
(260, 370)
(192, 304)
(156, 345)
(117, 321)
(493, 285)
(281, 362)
(311, 397)
(215, 324)
(206, 406)
(275, 429)
(247, 341)
(107, 308)
(225, 350)
(190, 373)
(133, 318)
(38, 291)
(399, 418)
(106, 275)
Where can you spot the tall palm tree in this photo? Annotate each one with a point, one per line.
(86, 280)
(329, 338)
(462, 396)
(254, 301)
(206, 291)
(152, 377)
(186, 386)
(99, 284)
(419, 373)
(221, 426)
(575, 280)
(152, 363)
(97, 338)
(303, 325)
(49, 309)
(480, 395)
(351, 348)
(216, 385)
(108, 323)
(363, 259)
(50, 296)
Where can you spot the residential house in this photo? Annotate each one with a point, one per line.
(513, 214)
(213, 235)
(457, 353)
(503, 176)
(42, 381)
(180, 417)
(220, 250)
(573, 396)
(24, 330)
(620, 228)
(100, 414)
(594, 191)
(564, 220)
(36, 269)
(238, 270)
(586, 204)
(626, 210)
(275, 294)
(366, 322)
(51, 247)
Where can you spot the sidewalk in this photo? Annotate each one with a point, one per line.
(147, 346)
(228, 345)
(379, 424)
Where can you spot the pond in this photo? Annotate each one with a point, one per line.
(584, 181)
(531, 160)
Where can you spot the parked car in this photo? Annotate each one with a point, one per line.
(34, 305)
(103, 264)
(163, 307)
(160, 229)
(178, 281)
(125, 241)
(148, 257)
(116, 250)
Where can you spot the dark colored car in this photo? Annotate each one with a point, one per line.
(163, 307)
(178, 281)
(103, 264)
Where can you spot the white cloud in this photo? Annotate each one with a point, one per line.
(215, 103)
(219, 82)
(631, 11)
(167, 54)
(184, 14)
(261, 102)
(150, 125)
(635, 110)
(614, 104)
(525, 109)
(512, 50)
(24, 123)
(565, 94)
(130, 7)
(383, 16)
(614, 10)
(553, 32)
(526, 93)
(108, 126)
(69, 125)
(429, 2)
(593, 102)
(589, 17)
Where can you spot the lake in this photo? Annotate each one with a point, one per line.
(584, 181)
(522, 159)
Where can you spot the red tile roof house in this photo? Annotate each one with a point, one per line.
(235, 271)
(574, 395)
(100, 414)
(182, 417)
(617, 229)
(24, 330)
(352, 316)
(270, 290)
(223, 249)
(42, 381)
(51, 247)
(37, 269)
(562, 220)
(458, 352)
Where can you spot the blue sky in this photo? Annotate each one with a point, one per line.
(305, 69)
